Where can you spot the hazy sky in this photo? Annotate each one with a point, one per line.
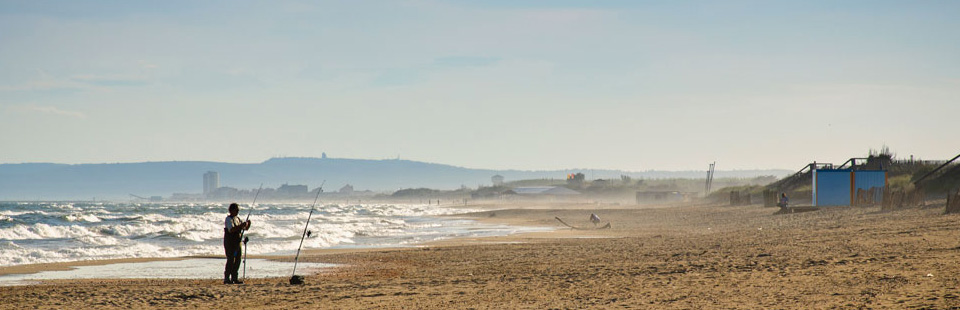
(632, 85)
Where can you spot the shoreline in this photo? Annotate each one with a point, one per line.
(463, 240)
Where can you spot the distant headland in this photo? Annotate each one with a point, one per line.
(51, 181)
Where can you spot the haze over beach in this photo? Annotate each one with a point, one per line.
(480, 154)
(530, 85)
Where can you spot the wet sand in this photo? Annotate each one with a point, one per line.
(699, 257)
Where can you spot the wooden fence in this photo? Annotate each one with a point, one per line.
(869, 197)
(901, 199)
(738, 199)
(953, 202)
(770, 198)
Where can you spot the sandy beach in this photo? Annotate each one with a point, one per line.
(677, 257)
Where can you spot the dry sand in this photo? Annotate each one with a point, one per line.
(700, 257)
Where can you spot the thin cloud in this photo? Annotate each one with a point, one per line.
(48, 110)
(144, 65)
(42, 85)
(82, 82)
(566, 16)
(110, 80)
(466, 61)
(44, 82)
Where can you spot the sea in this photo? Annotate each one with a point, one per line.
(50, 232)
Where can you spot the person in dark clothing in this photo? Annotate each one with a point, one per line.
(595, 219)
(232, 228)
(784, 201)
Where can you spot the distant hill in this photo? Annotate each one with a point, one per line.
(45, 181)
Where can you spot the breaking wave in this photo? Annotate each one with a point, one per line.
(42, 233)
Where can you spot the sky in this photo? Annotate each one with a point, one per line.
(530, 85)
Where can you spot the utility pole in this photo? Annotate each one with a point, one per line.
(706, 190)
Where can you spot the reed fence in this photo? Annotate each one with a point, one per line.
(901, 199)
(953, 202)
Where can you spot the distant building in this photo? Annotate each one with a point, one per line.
(497, 180)
(346, 189)
(292, 190)
(211, 182)
(185, 197)
(599, 183)
(224, 193)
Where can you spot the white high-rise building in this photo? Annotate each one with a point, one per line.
(211, 182)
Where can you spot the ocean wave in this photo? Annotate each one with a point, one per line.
(100, 241)
(19, 255)
(44, 231)
(123, 218)
(80, 217)
(35, 233)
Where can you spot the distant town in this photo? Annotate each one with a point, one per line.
(573, 187)
(212, 191)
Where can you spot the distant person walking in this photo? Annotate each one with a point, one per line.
(784, 201)
(232, 227)
(594, 219)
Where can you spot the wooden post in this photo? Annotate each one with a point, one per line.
(953, 202)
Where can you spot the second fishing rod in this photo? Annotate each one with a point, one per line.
(295, 279)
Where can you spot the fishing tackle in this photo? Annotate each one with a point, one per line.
(295, 279)
(244, 238)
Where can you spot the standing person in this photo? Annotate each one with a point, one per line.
(232, 227)
(784, 201)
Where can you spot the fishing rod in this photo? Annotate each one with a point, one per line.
(245, 239)
(298, 279)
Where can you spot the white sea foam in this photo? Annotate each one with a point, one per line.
(40, 233)
(80, 217)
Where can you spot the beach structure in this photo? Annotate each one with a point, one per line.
(858, 181)
(840, 185)
(545, 190)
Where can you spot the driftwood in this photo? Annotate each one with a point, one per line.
(582, 228)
